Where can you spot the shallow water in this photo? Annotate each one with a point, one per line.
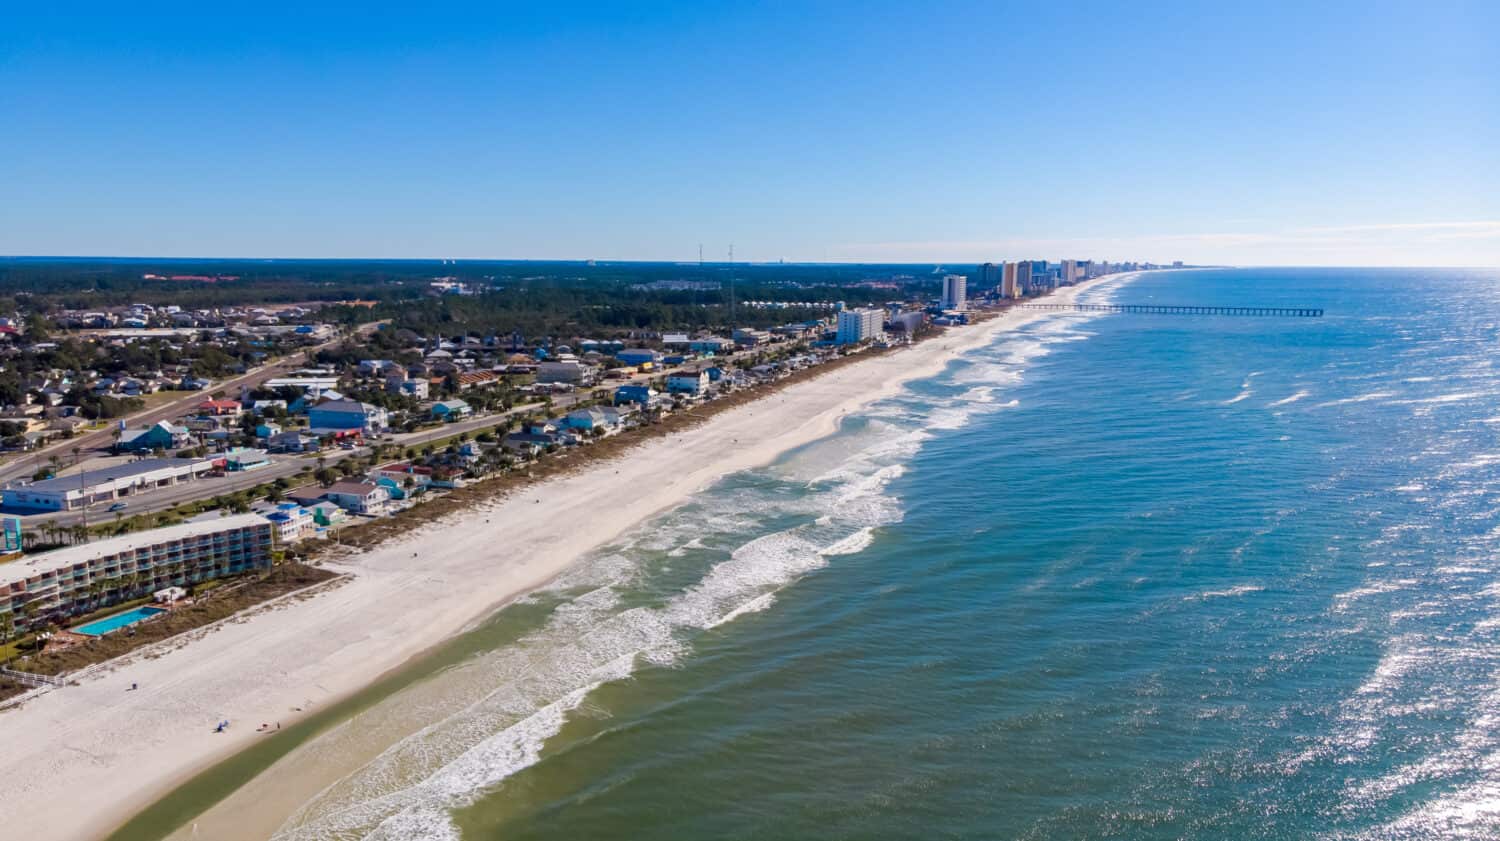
(1111, 576)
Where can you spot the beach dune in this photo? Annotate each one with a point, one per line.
(80, 760)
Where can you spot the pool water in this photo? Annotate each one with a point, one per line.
(116, 622)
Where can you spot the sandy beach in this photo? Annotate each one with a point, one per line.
(80, 760)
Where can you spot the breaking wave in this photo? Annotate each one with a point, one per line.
(646, 600)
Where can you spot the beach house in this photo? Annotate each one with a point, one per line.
(593, 418)
(292, 523)
(687, 382)
(327, 515)
(365, 498)
(645, 395)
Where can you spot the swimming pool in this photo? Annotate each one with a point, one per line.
(103, 626)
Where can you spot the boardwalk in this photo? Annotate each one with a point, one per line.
(1164, 309)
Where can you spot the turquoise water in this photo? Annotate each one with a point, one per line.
(113, 623)
(1113, 576)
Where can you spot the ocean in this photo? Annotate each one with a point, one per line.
(1111, 576)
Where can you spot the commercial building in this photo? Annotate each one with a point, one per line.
(747, 337)
(638, 356)
(347, 414)
(54, 586)
(565, 371)
(450, 410)
(245, 458)
(159, 436)
(856, 326)
(68, 493)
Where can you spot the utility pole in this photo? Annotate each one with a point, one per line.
(731, 285)
(82, 497)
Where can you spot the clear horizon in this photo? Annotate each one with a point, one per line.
(1161, 265)
(834, 133)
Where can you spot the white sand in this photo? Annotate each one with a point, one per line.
(80, 760)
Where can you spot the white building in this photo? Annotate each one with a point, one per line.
(292, 523)
(687, 382)
(955, 292)
(565, 371)
(67, 493)
(86, 577)
(856, 326)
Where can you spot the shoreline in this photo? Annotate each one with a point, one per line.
(403, 599)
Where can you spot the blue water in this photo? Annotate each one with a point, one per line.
(113, 623)
(1113, 576)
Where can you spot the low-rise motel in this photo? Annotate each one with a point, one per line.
(57, 585)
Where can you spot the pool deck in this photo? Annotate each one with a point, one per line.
(145, 611)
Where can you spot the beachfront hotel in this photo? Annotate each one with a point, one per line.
(80, 579)
(856, 326)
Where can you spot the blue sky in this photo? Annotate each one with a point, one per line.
(1268, 133)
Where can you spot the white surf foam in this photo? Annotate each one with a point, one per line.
(1292, 399)
(516, 698)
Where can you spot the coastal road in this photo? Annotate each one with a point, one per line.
(23, 465)
(282, 466)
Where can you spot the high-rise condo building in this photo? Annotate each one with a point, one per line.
(1010, 284)
(989, 278)
(860, 325)
(955, 292)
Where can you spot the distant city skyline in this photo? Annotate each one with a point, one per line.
(840, 132)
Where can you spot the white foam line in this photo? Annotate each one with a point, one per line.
(1363, 398)
(1292, 399)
